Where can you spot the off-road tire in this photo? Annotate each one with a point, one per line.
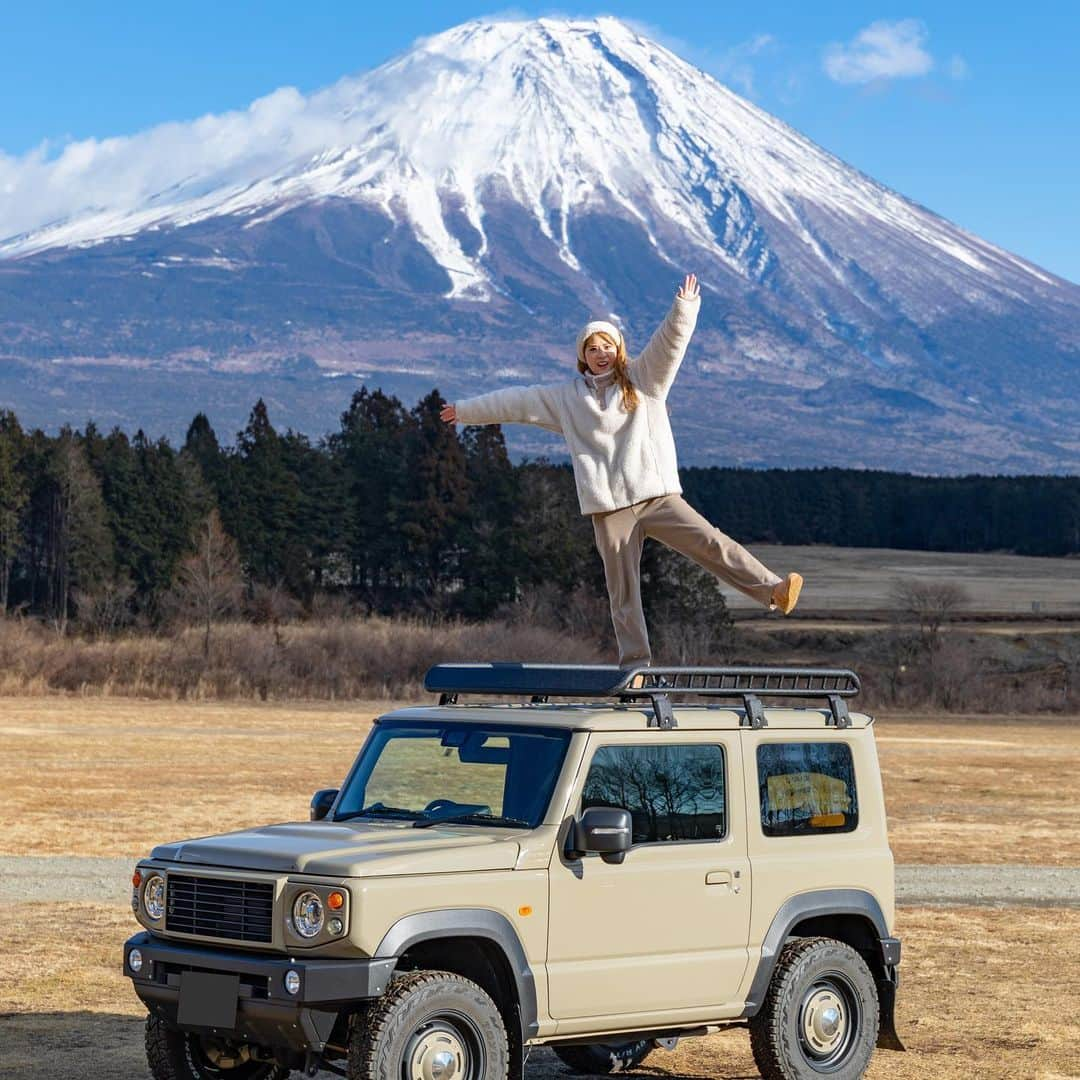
(600, 1059)
(813, 977)
(426, 1012)
(177, 1055)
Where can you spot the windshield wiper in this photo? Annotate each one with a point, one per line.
(378, 810)
(482, 819)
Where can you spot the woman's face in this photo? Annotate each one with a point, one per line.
(600, 354)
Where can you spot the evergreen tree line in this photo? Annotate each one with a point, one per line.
(399, 512)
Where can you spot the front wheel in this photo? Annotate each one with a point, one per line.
(181, 1055)
(820, 1015)
(600, 1059)
(429, 1025)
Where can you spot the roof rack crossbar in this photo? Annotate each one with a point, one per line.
(542, 682)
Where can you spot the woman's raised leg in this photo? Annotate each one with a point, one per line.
(673, 522)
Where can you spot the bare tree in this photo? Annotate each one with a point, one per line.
(209, 581)
(928, 604)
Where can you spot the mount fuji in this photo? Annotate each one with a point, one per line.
(451, 218)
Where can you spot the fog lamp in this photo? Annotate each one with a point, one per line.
(292, 982)
(135, 960)
(336, 926)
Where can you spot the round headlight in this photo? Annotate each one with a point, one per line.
(153, 897)
(307, 913)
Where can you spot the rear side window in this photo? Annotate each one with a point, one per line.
(672, 792)
(806, 788)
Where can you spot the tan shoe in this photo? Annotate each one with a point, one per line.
(786, 593)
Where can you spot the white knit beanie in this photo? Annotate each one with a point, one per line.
(596, 327)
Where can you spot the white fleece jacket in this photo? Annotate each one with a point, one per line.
(619, 457)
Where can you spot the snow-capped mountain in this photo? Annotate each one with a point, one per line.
(454, 215)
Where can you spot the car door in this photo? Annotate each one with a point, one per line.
(666, 928)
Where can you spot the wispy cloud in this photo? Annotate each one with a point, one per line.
(881, 51)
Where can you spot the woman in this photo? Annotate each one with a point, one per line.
(615, 421)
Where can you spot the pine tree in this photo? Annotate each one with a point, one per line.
(78, 542)
(266, 502)
(491, 562)
(14, 496)
(369, 453)
(438, 502)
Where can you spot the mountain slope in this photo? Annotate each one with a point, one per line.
(457, 212)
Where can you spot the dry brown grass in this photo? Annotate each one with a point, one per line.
(985, 992)
(330, 659)
(982, 790)
(116, 776)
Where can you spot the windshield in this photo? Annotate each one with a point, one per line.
(471, 774)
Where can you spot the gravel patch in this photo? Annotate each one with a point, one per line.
(63, 877)
(1002, 885)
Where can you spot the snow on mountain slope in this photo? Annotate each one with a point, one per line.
(560, 115)
(452, 217)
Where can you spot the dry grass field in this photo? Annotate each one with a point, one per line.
(968, 1006)
(121, 775)
(985, 990)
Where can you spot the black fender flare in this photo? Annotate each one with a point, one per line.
(469, 922)
(806, 906)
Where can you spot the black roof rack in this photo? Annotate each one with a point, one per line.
(541, 682)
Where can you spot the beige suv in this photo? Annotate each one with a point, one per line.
(623, 858)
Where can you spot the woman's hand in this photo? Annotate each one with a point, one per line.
(449, 414)
(689, 287)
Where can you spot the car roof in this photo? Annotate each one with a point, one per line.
(593, 716)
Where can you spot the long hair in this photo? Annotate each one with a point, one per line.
(622, 375)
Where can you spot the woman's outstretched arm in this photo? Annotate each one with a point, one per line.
(515, 405)
(654, 370)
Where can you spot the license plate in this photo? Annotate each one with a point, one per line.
(208, 1000)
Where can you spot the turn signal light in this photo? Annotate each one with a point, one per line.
(335, 901)
(136, 879)
(525, 910)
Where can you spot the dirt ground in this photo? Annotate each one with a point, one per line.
(123, 775)
(985, 991)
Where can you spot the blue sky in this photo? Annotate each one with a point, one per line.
(972, 109)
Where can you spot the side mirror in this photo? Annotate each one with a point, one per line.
(605, 830)
(321, 802)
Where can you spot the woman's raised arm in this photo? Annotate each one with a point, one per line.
(654, 370)
(515, 405)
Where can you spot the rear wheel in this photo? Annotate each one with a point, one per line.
(599, 1059)
(820, 1015)
(181, 1055)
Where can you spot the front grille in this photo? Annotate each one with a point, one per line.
(219, 907)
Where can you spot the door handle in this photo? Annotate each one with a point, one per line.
(724, 877)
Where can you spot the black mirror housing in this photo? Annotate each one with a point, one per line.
(604, 830)
(321, 802)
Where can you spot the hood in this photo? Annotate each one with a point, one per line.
(350, 849)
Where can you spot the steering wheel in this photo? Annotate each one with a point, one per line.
(436, 805)
(440, 804)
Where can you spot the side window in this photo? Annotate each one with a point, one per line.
(672, 792)
(806, 788)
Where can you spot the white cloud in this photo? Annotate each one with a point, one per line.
(883, 50)
(51, 183)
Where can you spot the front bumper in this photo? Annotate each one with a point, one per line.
(266, 1013)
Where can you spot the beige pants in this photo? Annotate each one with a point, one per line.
(620, 535)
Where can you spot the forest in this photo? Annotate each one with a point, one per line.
(398, 513)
